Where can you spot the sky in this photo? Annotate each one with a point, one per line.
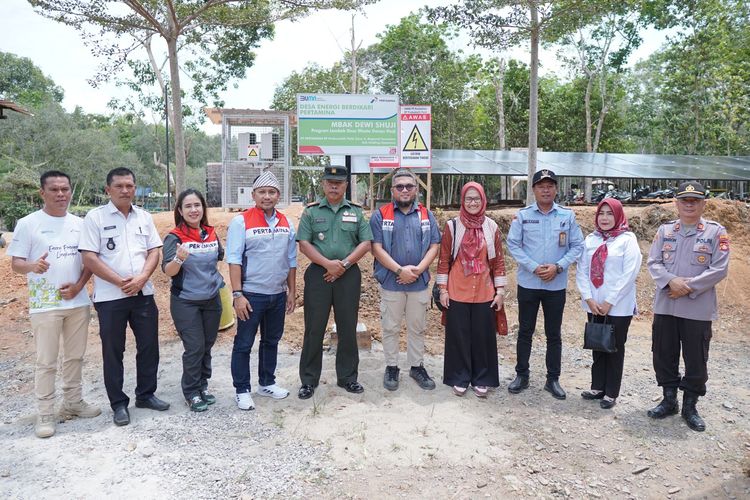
(321, 38)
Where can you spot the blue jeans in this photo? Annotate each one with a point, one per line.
(268, 313)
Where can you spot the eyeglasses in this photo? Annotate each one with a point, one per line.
(475, 201)
(404, 187)
(204, 234)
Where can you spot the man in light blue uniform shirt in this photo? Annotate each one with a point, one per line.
(262, 258)
(544, 239)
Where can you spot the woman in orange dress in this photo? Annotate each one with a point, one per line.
(471, 277)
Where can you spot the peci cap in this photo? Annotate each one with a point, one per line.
(334, 173)
(266, 179)
(542, 175)
(691, 189)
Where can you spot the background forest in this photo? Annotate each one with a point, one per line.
(690, 96)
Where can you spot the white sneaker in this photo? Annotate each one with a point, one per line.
(272, 391)
(244, 401)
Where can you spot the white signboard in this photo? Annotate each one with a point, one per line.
(389, 161)
(347, 124)
(416, 136)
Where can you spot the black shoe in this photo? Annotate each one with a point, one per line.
(121, 416)
(306, 391)
(353, 387)
(553, 387)
(390, 378)
(419, 374)
(152, 403)
(606, 404)
(519, 383)
(208, 397)
(591, 395)
(196, 403)
(668, 405)
(690, 414)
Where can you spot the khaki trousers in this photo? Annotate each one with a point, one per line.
(393, 307)
(49, 327)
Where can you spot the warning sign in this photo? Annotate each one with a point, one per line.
(253, 152)
(415, 142)
(416, 136)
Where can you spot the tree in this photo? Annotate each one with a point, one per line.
(412, 60)
(499, 24)
(602, 49)
(691, 97)
(214, 39)
(24, 83)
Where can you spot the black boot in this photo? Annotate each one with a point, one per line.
(668, 405)
(520, 383)
(690, 414)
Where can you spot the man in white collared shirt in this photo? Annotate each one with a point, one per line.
(120, 246)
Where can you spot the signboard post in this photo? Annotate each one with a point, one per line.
(416, 141)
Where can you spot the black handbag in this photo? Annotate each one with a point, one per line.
(435, 287)
(600, 337)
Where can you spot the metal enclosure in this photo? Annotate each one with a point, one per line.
(252, 142)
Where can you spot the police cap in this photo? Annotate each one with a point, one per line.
(691, 189)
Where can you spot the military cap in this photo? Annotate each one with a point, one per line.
(691, 189)
(542, 175)
(334, 173)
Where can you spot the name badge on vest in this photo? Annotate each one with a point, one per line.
(349, 217)
(562, 240)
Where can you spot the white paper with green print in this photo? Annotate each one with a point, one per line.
(43, 294)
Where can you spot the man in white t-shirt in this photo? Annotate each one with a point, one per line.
(45, 249)
(120, 245)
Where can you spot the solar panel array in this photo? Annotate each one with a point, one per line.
(604, 165)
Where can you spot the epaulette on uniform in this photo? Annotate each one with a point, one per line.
(355, 204)
(313, 204)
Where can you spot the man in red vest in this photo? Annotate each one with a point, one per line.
(262, 258)
(406, 239)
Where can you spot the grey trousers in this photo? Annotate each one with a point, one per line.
(197, 323)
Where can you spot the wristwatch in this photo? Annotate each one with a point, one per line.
(347, 264)
(559, 268)
(398, 271)
(236, 294)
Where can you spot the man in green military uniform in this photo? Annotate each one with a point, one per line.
(334, 234)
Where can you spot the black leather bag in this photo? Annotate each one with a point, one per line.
(599, 337)
(435, 287)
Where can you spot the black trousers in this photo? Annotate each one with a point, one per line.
(606, 372)
(320, 296)
(668, 334)
(553, 303)
(141, 313)
(197, 324)
(470, 345)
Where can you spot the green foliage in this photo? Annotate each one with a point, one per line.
(692, 97)
(19, 196)
(22, 82)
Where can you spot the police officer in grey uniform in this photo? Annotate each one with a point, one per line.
(688, 258)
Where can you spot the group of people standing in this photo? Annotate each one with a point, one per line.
(118, 244)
